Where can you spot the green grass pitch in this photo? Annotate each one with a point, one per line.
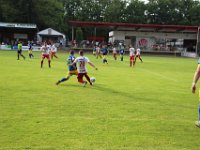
(148, 107)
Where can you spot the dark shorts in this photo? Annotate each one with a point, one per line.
(19, 51)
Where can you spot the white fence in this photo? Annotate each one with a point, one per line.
(24, 48)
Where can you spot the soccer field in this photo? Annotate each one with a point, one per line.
(148, 107)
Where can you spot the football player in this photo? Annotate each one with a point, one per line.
(72, 68)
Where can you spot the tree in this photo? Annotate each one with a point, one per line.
(79, 35)
(135, 12)
(115, 11)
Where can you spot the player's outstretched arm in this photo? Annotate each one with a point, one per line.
(195, 79)
(71, 64)
(91, 64)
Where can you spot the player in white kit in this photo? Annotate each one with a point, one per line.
(45, 54)
(53, 49)
(132, 55)
(114, 53)
(82, 70)
(138, 54)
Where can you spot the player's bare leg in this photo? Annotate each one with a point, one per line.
(49, 62)
(42, 61)
(88, 79)
(140, 58)
(130, 63)
(23, 56)
(121, 56)
(55, 56)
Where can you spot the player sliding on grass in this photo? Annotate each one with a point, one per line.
(72, 68)
(82, 71)
(195, 79)
(45, 54)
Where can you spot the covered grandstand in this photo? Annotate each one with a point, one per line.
(150, 37)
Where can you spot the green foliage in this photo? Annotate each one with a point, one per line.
(45, 13)
(180, 12)
(146, 107)
(79, 35)
(56, 13)
(135, 12)
(115, 11)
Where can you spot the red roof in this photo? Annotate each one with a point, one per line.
(135, 27)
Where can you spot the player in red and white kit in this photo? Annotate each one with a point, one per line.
(132, 55)
(53, 51)
(45, 54)
(81, 66)
(98, 52)
(114, 53)
(138, 54)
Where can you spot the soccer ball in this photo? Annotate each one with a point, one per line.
(92, 79)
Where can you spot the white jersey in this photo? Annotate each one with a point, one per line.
(138, 51)
(82, 61)
(53, 48)
(132, 51)
(98, 50)
(114, 50)
(45, 49)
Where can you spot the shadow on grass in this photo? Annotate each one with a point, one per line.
(103, 88)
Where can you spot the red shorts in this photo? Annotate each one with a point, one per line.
(132, 57)
(45, 56)
(80, 77)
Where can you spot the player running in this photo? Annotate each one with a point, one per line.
(121, 52)
(132, 55)
(114, 53)
(82, 71)
(45, 54)
(104, 50)
(138, 54)
(19, 51)
(30, 50)
(72, 68)
(98, 52)
(53, 50)
(94, 51)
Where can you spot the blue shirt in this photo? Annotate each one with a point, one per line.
(121, 51)
(104, 51)
(29, 46)
(70, 60)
